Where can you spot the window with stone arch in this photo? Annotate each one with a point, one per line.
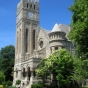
(34, 73)
(27, 5)
(24, 75)
(34, 39)
(16, 72)
(30, 5)
(34, 6)
(26, 40)
(29, 73)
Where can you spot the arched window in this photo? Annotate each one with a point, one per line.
(17, 43)
(16, 72)
(29, 73)
(34, 6)
(56, 48)
(30, 5)
(24, 72)
(33, 39)
(34, 74)
(26, 40)
(27, 5)
(51, 49)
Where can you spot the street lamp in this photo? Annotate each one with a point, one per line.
(58, 68)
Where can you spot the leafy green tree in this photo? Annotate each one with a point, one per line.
(7, 52)
(79, 36)
(7, 55)
(2, 77)
(7, 67)
(80, 70)
(62, 64)
(79, 27)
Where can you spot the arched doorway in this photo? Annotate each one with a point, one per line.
(29, 73)
(24, 72)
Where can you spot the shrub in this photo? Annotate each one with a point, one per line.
(9, 83)
(2, 77)
(85, 87)
(12, 87)
(18, 82)
(4, 85)
(37, 86)
(1, 86)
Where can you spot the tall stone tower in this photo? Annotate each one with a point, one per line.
(27, 25)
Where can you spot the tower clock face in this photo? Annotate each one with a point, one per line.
(30, 15)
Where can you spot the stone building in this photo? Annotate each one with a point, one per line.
(34, 43)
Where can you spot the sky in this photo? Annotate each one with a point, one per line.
(51, 12)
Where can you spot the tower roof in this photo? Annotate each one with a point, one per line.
(56, 28)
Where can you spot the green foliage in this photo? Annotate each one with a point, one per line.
(64, 66)
(7, 52)
(79, 27)
(7, 55)
(79, 36)
(1, 86)
(37, 86)
(5, 85)
(80, 69)
(85, 87)
(12, 87)
(9, 83)
(2, 77)
(18, 82)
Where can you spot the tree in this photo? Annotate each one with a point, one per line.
(79, 27)
(2, 77)
(7, 52)
(80, 70)
(65, 69)
(7, 55)
(79, 36)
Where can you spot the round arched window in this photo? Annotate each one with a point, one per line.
(41, 44)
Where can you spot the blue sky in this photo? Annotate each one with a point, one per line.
(51, 11)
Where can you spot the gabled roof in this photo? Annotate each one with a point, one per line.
(46, 32)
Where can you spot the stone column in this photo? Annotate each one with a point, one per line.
(53, 49)
(32, 76)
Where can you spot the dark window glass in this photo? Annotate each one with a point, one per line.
(26, 40)
(33, 39)
(24, 72)
(41, 44)
(56, 48)
(30, 5)
(27, 5)
(34, 6)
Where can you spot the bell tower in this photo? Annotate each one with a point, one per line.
(27, 28)
(27, 25)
